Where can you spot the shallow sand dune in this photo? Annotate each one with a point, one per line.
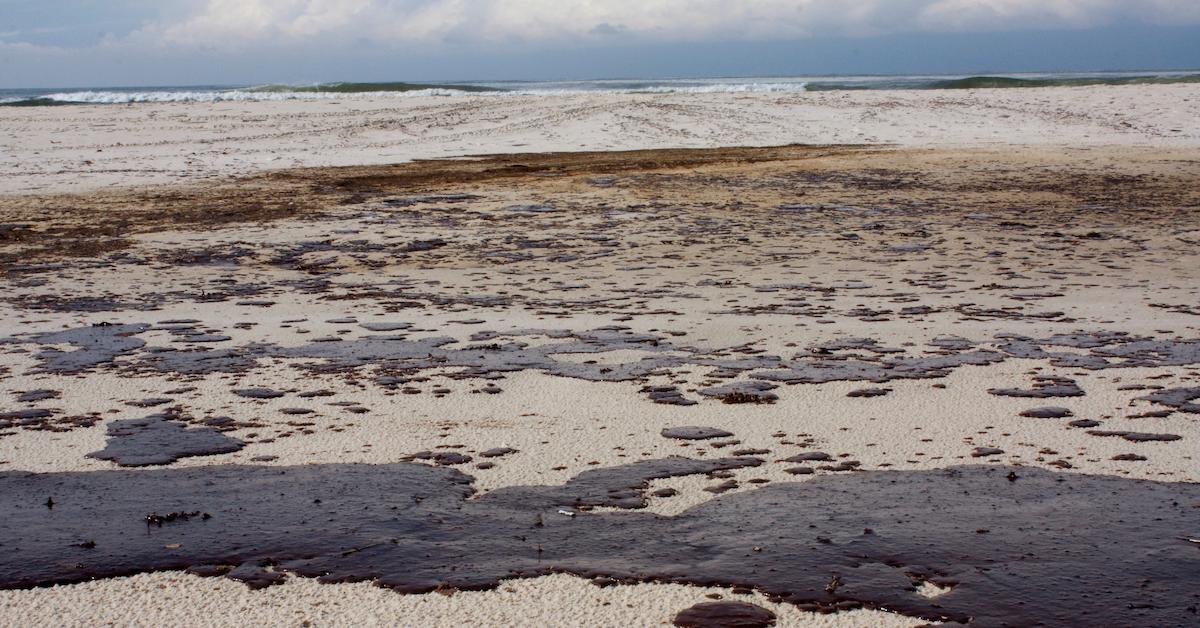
(80, 148)
(830, 313)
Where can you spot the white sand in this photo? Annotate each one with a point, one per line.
(553, 602)
(79, 148)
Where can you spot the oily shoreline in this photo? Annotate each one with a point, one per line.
(1009, 545)
(849, 319)
(1148, 181)
(43, 227)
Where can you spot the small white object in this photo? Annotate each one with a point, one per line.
(566, 513)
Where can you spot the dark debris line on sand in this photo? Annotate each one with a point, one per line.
(120, 347)
(1015, 546)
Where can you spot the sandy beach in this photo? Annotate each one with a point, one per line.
(934, 350)
(82, 148)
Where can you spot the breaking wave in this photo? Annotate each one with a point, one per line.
(375, 90)
(346, 90)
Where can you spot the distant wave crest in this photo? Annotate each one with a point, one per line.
(116, 97)
(372, 90)
(994, 82)
(724, 88)
(366, 88)
(330, 91)
(1001, 82)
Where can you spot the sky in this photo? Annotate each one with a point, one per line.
(72, 43)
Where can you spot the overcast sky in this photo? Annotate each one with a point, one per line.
(174, 42)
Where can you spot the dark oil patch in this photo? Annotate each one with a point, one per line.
(869, 392)
(258, 393)
(149, 403)
(158, 440)
(40, 394)
(691, 432)
(118, 348)
(810, 456)
(1052, 412)
(746, 391)
(43, 419)
(1138, 437)
(800, 471)
(866, 539)
(725, 615)
(1044, 387)
(441, 458)
(1182, 399)
(667, 395)
(28, 414)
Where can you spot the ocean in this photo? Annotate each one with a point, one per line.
(346, 90)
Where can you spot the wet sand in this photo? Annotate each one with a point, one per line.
(841, 325)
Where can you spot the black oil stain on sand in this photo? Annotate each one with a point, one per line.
(725, 615)
(158, 440)
(1039, 548)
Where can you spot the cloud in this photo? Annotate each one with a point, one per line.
(974, 14)
(26, 48)
(401, 22)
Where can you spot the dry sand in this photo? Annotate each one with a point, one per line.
(1028, 212)
(80, 148)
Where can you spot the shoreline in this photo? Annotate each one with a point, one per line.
(83, 148)
(684, 85)
(45, 226)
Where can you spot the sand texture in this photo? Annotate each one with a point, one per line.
(1005, 301)
(82, 148)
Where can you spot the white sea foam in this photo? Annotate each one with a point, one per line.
(727, 85)
(103, 97)
(731, 88)
(239, 95)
